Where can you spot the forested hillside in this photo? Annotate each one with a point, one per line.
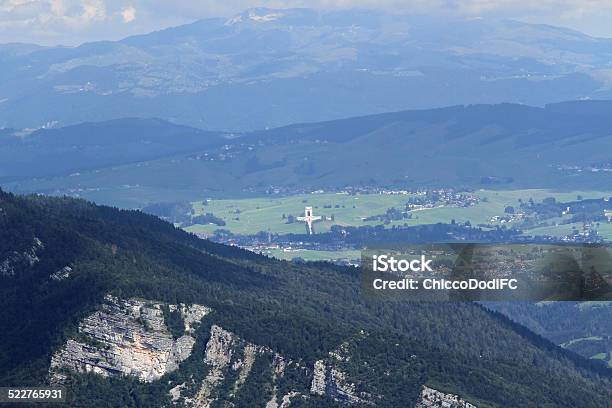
(508, 146)
(66, 263)
(583, 327)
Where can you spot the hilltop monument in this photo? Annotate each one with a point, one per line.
(308, 218)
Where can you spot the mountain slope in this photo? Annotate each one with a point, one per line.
(72, 270)
(89, 146)
(300, 65)
(583, 327)
(561, 146)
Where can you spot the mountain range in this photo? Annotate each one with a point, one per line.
(124, 309)
(135, 162)
(90, 146)
(267, 68)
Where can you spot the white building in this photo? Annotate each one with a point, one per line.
(309, 219)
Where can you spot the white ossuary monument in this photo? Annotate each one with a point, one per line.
(308, 218)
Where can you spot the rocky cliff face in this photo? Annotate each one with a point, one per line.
(231, 358)
(24, 259)
(61, 274)
(131, 337)
(431, 398)
(128, 337)
(328, 379)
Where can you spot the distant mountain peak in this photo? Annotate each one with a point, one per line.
(268, 15)
(258, 15)
(301, 65)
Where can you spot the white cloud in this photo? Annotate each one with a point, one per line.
(128, 14)
(75, 21)
(57, 12)
(58, 7)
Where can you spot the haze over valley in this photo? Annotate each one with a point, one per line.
(267, 68)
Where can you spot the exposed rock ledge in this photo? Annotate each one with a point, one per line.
(329, 380)
(128, 337)
(61, 274)
(431, 398)
(226, 351)
(25, 259)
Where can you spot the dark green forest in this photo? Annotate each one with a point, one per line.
(301, 311)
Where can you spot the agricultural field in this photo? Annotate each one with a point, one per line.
(313, 255)
(605, 357)
(252, 215)
(590, 343)
(249, 216)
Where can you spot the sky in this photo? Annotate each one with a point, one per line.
(72, 22)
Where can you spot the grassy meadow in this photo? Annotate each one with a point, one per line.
(252, 215)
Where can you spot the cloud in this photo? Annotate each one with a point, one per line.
(52, 21)
(128, 14)
(76, 21)
(69, 13)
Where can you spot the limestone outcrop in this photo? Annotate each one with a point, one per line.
(285, 401)
(61, 274)
(128, 337)
(224, 352)
(328, 379)
(25, 259)
(431, 398)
